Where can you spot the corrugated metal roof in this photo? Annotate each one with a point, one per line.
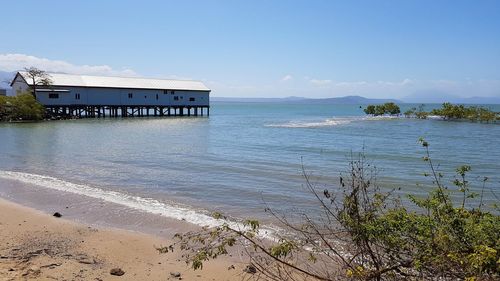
(71, 80)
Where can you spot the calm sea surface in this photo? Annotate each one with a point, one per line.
(240, 157)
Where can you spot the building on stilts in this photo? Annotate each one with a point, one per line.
(87, 96)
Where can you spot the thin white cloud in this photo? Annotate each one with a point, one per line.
(320, 82)
(404, 82)
(15, 62)
(351, 84)
(287, 77)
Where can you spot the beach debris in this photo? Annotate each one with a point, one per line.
(34, 271)
(85, 260)
(117, 271)
(250, 269)
(231, 267)
(175, 274)
(57, 215)
(51, 266)
(164, 249)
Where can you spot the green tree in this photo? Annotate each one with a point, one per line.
(379, 110)
(460, 112)
(421, 113)
(370, 109)
(410, 112)
(4, 107)
(21, 107)
(391, 108)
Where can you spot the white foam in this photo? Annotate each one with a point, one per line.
(435, 117)
(148, 205)
(382, 117)
(304, 124)
(331, 122)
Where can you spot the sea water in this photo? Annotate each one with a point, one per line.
(243, 158)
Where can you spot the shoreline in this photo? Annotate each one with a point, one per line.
(36, 245)
(100, 207)
(88, 210)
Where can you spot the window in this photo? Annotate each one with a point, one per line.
(145, 96)
(53, 96)
(191, 99)
(77, 96)
(165, 92)
(176, 98)
(156, 96)
(173, 92)
(130, 95)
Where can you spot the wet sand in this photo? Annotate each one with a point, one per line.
(34, 245)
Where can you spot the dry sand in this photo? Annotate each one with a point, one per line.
(38, 246)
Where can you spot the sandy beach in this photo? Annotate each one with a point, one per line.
(35, 245)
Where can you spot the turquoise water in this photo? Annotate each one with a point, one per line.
(243, 156)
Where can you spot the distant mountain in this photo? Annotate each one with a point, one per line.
(339, 100)
(5, 78)
(418, 97)
(352, 100)
(440, 97)
(226, 99)
(481, 100)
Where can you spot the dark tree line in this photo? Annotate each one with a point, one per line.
(382, 109)
(450, 111)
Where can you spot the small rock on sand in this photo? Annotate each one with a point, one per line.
(117, 271)
(250, 269)
(57, 215)
(175, 274)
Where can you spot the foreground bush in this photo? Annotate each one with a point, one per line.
(363, 233)
(21, 107)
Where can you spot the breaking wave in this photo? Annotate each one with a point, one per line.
(305, 124)
(148, 205)
(330, 122)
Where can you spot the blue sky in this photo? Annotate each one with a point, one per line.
(267, 48)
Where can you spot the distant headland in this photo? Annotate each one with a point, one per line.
(337, 100)
(361, 100)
